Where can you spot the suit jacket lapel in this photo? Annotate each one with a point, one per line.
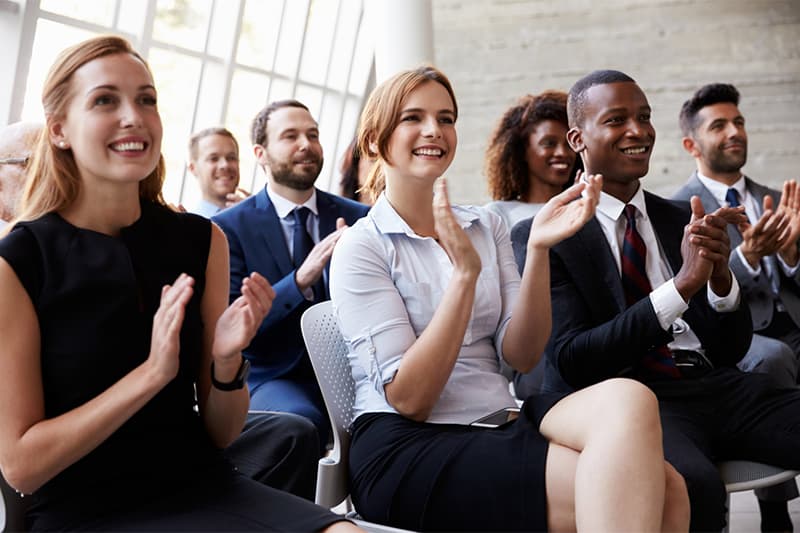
(599, 257)
(665, 222)
(272, 232)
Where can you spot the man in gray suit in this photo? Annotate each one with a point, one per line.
(764, 252)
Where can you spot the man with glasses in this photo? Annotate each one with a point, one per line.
(17, 142)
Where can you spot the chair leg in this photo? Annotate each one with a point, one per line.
(727, 527)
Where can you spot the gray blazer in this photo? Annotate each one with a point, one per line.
(756, 290)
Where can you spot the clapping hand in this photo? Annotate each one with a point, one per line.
(767, 235)
(567, 212)
(451, 235)
(790, 205)
(239, 322)
(165, 342)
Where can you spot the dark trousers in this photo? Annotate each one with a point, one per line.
(726, 414)
(280, 450)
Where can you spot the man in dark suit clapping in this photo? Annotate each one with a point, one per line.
(644, 290)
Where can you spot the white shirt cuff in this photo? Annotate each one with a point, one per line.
(667, 303)
(753, 271)
(790, 271)
(725, 304)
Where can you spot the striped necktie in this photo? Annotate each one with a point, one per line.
(658, 362)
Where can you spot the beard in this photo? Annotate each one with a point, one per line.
(283, 173)
(721, 162)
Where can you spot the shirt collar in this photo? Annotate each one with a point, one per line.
(612, 207)
(719, 189)
(284, 206)
(388, 221)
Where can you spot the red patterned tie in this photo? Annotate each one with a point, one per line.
(658, 362)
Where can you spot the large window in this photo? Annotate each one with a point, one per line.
(217, 62)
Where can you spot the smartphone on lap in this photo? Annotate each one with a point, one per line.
(497, 419)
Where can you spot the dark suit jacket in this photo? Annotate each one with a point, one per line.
(756, 291)
(594, 336)
(257, 244)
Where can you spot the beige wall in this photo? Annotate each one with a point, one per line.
(497, 50)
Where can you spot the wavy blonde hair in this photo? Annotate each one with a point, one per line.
(53, 177)
(382, 114)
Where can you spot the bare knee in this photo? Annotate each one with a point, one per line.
(632, 404)
(677, 509)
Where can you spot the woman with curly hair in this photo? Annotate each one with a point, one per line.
(528, 160)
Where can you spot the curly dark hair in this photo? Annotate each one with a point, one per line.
(506, 166)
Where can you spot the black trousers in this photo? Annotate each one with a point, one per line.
(280, 450)
(726, 414)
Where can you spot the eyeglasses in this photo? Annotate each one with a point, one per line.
(23, 161)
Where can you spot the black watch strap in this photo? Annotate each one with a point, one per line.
(238, 381)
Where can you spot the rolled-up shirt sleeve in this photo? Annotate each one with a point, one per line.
(509, 278)
(371, 313)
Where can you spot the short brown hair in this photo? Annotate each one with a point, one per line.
(258, 129)
(194, 140)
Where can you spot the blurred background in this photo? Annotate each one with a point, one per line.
(217, 62)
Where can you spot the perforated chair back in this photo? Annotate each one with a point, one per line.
(328, 353)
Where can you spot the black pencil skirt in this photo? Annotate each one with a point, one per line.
(430, 477)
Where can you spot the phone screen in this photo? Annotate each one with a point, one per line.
(498, 418)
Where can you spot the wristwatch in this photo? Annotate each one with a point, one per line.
(238, 382)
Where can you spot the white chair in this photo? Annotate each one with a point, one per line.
(740, 476)
(328, 353)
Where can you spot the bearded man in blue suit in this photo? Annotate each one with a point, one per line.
(286, 232)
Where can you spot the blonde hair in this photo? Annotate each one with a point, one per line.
(53, 178)
(382, 114)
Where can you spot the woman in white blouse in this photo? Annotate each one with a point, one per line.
(428, 298)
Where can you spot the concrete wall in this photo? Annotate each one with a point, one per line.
(497, 50)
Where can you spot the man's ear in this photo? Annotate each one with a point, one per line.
(192, 168)
(575, 139)
(690, 146)
(261, 153)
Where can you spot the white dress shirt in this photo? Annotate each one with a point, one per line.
(667, 301)
(386, 284)
(284, 208)
(512, 211)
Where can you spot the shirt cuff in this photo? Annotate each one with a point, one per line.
(789, 271)
(725, 304)
(667, 303)
(753, 271)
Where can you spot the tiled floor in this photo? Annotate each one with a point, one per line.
(745, 517)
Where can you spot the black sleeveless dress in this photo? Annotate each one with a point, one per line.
(95, 297)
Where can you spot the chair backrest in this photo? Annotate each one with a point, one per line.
(328, 353)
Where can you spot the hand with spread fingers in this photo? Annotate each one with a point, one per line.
(566, 213)
(451, 235)
(767, 235)
(310, 271)
(790, 205)
(238, 323)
